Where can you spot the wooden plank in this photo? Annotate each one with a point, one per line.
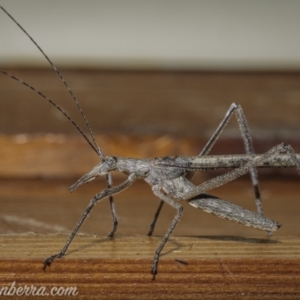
(225, 260)
(158, 103)
(43, 206)
(103, 268)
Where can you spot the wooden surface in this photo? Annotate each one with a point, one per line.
(206, 257)
(144, 114)
(215, 267)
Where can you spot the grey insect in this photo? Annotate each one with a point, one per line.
(170, 177)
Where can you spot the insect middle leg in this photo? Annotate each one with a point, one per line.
(248, 144)
(112, 207)
(157, 191)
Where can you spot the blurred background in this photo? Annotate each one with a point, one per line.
(154, 78)
(184, 35)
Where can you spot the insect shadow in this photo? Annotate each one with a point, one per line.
(238, 239)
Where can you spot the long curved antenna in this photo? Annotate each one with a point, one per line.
(54, 104)
(100, 153)
(95, 147)
(107, 177)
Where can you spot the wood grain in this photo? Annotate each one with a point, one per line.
(206, 257)
(204, 267)
(142, 114)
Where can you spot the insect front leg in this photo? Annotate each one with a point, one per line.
(157, 191)
(244, 129)
(105, 193)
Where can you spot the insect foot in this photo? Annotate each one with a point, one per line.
(47, 262)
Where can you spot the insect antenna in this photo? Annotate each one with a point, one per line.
(94, 145)
(54, 104)
(98, 150)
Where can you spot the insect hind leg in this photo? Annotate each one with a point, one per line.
(242, 170)
(248, 145)
(224, 209)
(249, 149)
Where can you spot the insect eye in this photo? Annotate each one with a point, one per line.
(111, 161)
